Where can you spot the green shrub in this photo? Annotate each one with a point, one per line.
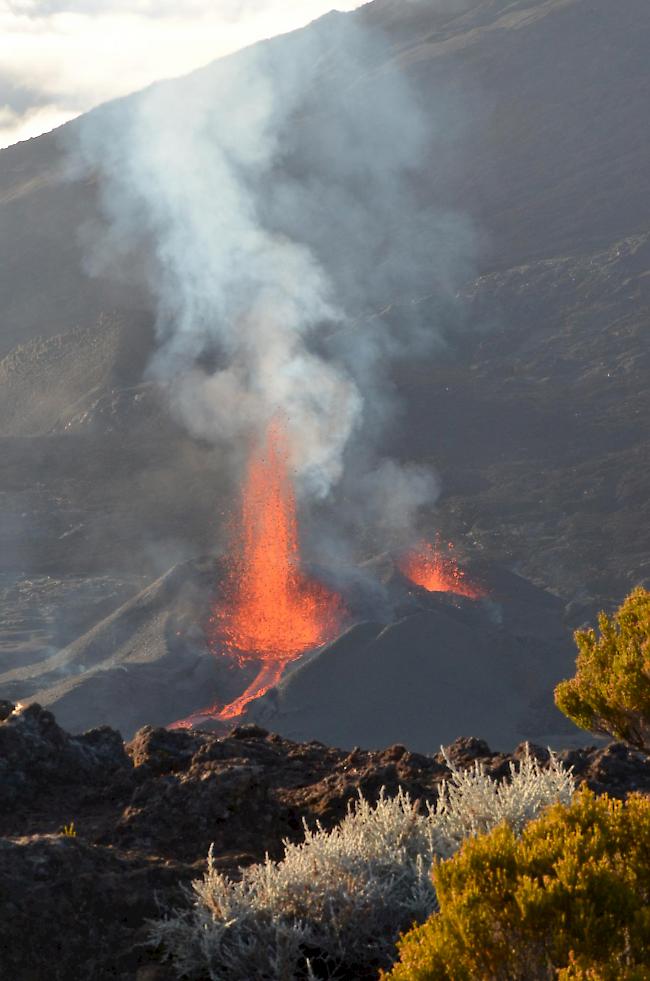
(610, 692)
(569, 901)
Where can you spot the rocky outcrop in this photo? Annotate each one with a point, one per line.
(37, 756)
(76, 910)
(141, 816)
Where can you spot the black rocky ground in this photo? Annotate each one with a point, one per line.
(146, 812)
(532, 408)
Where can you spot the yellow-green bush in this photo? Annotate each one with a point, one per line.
(569, 900)
(610, 692)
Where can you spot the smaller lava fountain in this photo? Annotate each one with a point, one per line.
(426, 565)
(271, 612)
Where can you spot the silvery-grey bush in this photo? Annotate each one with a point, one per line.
(334, 906)
(471, 803)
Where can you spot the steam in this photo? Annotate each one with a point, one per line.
(276, 194)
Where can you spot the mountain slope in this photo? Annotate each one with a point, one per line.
(534, 412)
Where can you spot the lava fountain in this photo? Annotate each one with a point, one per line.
(271, 611)
(426, 565)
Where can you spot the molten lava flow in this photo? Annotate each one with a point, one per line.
(272, 612)
(267, 677)
(427, 566)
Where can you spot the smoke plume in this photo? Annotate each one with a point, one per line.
(273, 196)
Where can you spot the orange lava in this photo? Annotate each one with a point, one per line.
(271, 611)
(427, 566)
(267, 677)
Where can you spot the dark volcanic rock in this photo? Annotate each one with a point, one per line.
(145, 814)
(535, 417)
(443, 664)
(72, 910)
(36, 756)
(615, 769)
(248, 791)
(467, 749)
(6, 708)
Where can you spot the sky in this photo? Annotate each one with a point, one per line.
(59, 58)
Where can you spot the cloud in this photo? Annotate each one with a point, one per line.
(66, 58)
(17, 126)
(27, 112)
(228, 9)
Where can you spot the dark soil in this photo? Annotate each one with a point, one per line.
(145, 813)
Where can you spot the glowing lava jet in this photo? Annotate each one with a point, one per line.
(271, 612)
(427, 566)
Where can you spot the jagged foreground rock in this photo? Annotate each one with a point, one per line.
(145, 814)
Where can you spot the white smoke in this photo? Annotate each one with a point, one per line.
(278, 189)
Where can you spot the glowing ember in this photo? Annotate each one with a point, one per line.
(268, 676)
(272, 612)
(427, 566)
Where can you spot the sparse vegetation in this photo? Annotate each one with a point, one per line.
(334, 906)
(610, 693)
(569, 901)
(471, 803)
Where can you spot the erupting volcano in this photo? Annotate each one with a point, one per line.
(427, 566)
(271, 611)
